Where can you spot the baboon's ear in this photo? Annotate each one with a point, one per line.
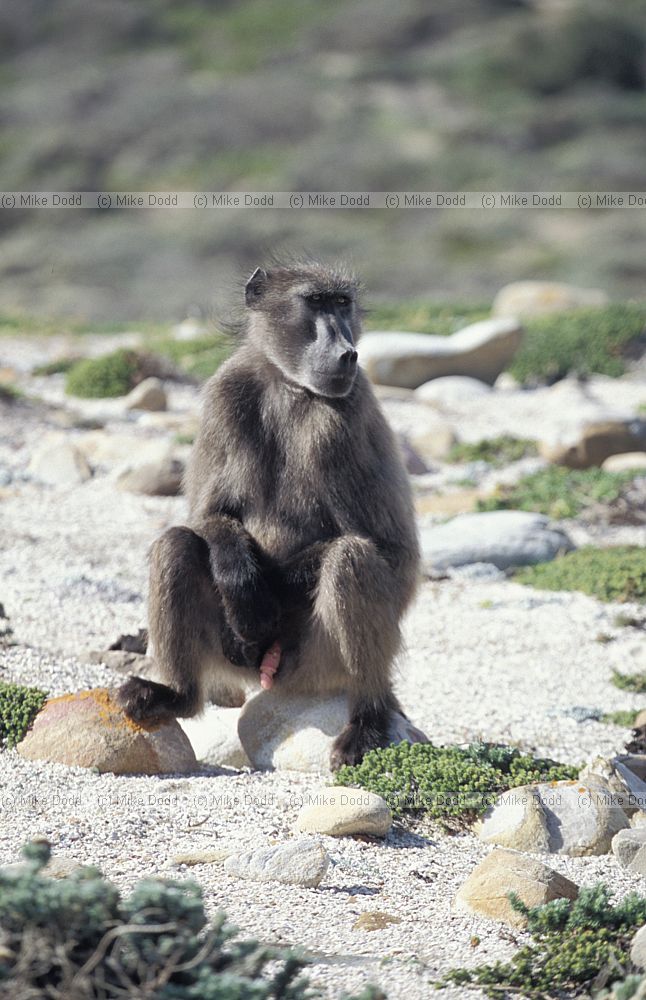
(255, 287)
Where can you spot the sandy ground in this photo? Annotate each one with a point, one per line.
(489, 660)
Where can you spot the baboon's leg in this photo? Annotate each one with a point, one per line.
(357, 607)
(185, 623)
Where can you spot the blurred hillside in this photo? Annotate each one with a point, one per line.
(316, 95)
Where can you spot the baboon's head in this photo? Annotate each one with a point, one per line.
(306, 320)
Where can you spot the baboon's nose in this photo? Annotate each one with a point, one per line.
(349, 358)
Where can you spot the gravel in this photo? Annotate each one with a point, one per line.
(485, 658)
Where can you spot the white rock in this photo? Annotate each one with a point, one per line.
(627, 846)
(59, 463)
(625, 462)
(296, 733)
(638, 948)
(578, 820)
(480, 351)
(302, 862)
(339, 812)
(536, 298)
(433, 438)
(517, 821)
(214, 737)
(451, 388)
(148, 395)
(106, 448)
(502, 537)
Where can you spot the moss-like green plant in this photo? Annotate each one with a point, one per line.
(448, 781)
(10, 393)
(497, 451)
(573, 941)
(629, 682)
(582, 340)
(614, 574)
(18, 708)
(439, 318)
(111, 375)
(199, 357)
(559, 492)
(59, 366)
(624, 718)
(77, 937)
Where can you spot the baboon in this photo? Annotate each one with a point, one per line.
(300, 552)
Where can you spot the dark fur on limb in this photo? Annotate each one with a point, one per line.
(300, 528)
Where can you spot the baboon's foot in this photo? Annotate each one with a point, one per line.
(358, 737)
(147, 701)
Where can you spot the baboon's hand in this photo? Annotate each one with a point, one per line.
(252, 612)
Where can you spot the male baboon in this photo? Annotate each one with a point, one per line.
(300, 553)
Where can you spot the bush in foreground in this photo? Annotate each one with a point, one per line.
(574, 942)
(449, 781)
(18, 708)
(497, 451)
(614, 574)
(77, 938)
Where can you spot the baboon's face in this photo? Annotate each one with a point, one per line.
(307, 322)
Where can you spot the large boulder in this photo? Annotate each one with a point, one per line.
(295, 732)
(214, 737)
(594, 443)
(486, 890)
(58, 462)
(625, 462)
(155, 479)
(502, 537)
(560, 817)
(301, 862)
(451, 389)
(480, 351)
(524, 299)
(148, 395)
(89, 729)
(341, 812)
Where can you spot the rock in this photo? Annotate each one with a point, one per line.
(456, 502)
(301, 862)
(433, 440)
(516, 820)
(638, 948)
(592, 444)
(640, 719)
(341, 812)
(296, 732)
(617, 775)
(451, 389)
(89, 729)
(217, 855)
(393, 393)
(59, 463)
(485, 891)
(413, 462)
(638, 819)
(577, 820)
(375, 920)
(625, 461)
(107, 448)
(56, 867)
(148, 395)
(626, 845)
(480, 351)
(155, 479)
(502, 537)
(523, 299)
(214, 737)
(123, 662)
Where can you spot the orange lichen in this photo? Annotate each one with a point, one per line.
(109, 712)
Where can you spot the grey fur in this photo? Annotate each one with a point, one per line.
(300, 527)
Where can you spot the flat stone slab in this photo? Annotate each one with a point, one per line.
(505, 538)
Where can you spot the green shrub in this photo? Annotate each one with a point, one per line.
(630, 682)
(614, 574)
(624, 717)
(497, 451)
(199, 357)
(111, 375)
(447, 781)
(417, 316)
(559, 492)
(77, 938)
(10, 393)
(581, 340)
(18, 708)
(57, 367)
(572, 943)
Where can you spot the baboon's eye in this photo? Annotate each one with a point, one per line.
(343, 300)
(315, 297)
